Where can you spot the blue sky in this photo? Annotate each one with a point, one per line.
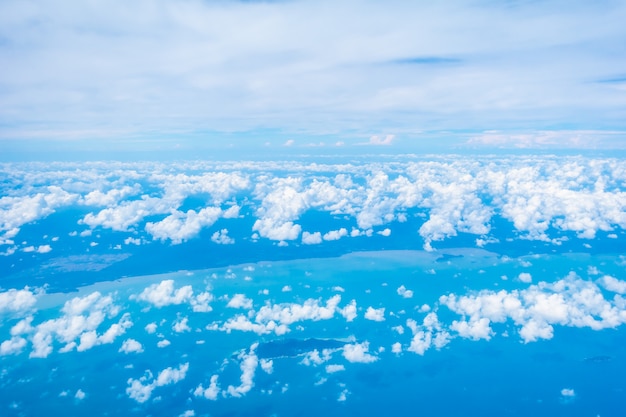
(157, 75)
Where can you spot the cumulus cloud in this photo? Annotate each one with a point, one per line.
(141, 389)
(358, 352)
(17, 301)
(613, 284)
(335, 234)
(179, 227)
(211, 392)
(381, 140)
(525, 277)
(375, 314)
(164, 294)
(78, 327)
(13, 346)
(240, 301)
(131, 346)
(181, 325)
(311, 238)
(331, 369)
(403, 292)
(570, 301)
(221, 237)
(248, 365)
(276, 318)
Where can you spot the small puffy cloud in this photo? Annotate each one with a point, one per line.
(163, 343)
(132, 241)
(44, 249)
(311, 238)
(289, 142)
(80, 394)
(164, 294)
(17, 301)
(209, 393)
(335, 234)
(358, 352)
(381, 140)
(613, 284)
(13, 346)
(181, 325)
(221, 237)
(151, 327)
(473, 329)
(267, 365)
(403, 292)
(386, 232)
(525, 277)
(568, 392)
(240, 301)
(248, 366)
(172, 375)
(349, 312)
(396, 348)
(141, 389)
(375, 314)
(343, 395)
(331, 369)
(179, 227)
(131, 346)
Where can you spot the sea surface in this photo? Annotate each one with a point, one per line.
(177, 333)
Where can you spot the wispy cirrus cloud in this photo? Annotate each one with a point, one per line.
(95, 71)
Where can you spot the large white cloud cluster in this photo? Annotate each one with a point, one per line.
(276, 318)
(77, 328)
(164, 294)
(539, 196)
(570, 301)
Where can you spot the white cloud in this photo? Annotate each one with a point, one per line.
(311, 238)
(44, 249)
(164, 294)
(13, 346)
(613, 284)
(349, 311)
(221, 237)
(151, 328)
(335, 234)
(209, 393)
(248, 365)
(380, 140)
(525, 277)
(240, 301)
(77, 327)
(568, 392)
(375, 314)
(403, 292)
(17, 211)
(131, 346)
(568, 302)
(267, 365)
(179, 227)
(141, 389)
(331, 369)
(358, 352)
(181, 325)
(80, 394)
(17, 301)
(163, 343)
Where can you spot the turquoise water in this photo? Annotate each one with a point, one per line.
(576, 371)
